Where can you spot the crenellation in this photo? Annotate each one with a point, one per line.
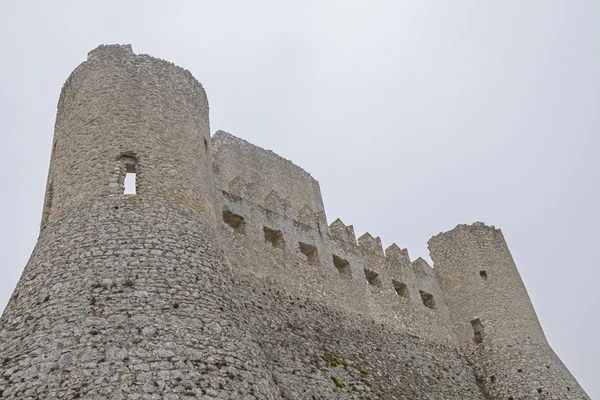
(371, 244)
(219, 276)
(343, 232)
(422, 268)
(397, 255)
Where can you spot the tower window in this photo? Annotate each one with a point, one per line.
(130, 183)
(274, 237)
(477, 331)
(129, 178)
(401, 289)
(372, 278)
(483, 274)
(343, 266)
(310, 251)
(427, 299)
(235, 221)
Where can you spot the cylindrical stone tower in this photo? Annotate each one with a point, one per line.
(127, 296)
(494, 319)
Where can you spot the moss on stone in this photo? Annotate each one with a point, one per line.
(337, 382)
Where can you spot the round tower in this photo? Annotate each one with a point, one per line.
(494, 319)
(127, 294)
(121, 113)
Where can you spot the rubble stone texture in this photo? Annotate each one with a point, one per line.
(220, 279)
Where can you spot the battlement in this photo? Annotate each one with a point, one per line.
(286, 243)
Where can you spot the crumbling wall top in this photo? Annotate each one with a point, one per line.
(264, 177)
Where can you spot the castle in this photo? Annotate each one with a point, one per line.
(219, 278)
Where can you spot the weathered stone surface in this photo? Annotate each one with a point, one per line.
(220, 279)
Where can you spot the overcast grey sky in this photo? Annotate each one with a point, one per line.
(414, 116)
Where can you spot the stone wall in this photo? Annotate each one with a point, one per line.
(354, 277)
(129, 298)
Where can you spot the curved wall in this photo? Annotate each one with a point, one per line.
(118, 108)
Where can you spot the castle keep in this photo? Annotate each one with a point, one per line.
(220, 278)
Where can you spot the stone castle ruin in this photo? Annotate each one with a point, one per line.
(220, 278)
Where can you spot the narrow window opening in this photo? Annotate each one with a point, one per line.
(372, 278)
(235, 221)
(206, 145)
(400, 288)
(130, 179)
(310, 251)
(427, 299)
(274, 237)
(483, 274)
(477, 331)
(343, 266)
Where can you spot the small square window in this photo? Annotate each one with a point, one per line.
(401, 289)
(343, 266)
(310, 251)
(235, 221)
(274, 237)
(483, 274)
(372, 278)
(427, 299)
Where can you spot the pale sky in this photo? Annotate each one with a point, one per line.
(415, 116)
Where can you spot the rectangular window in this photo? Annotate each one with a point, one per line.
(401, 289)
(343, 266)
(274, 237)
(130, 183)
(310, 251)
(236, 222)
(130, 178)
(477, 331)
(372, 278)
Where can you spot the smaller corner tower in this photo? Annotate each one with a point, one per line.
(494, 319)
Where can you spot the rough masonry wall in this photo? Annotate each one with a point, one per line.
(129, 298)
(314, 351)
